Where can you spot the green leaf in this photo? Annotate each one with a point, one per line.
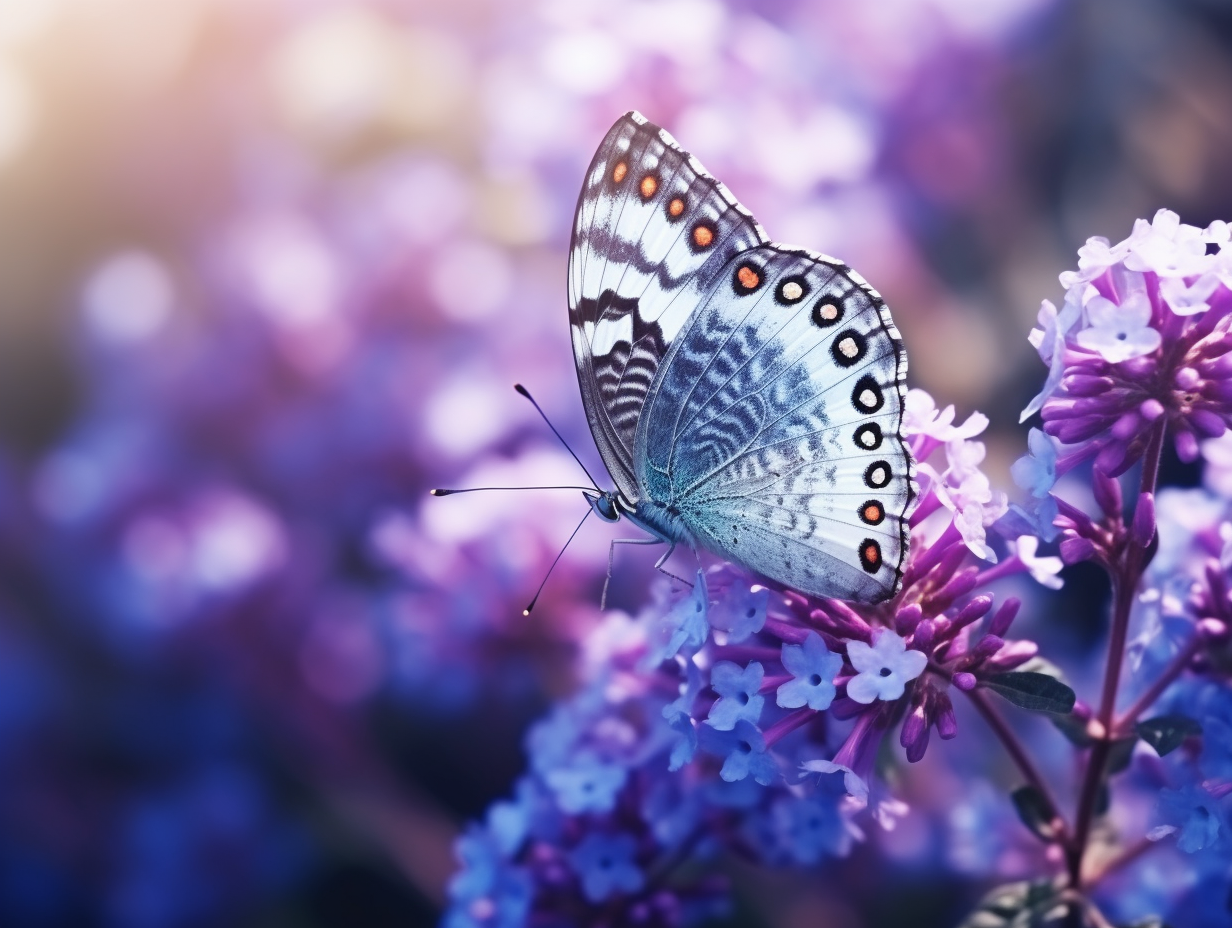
(1166, 733)
(1036, 813)
(1036, 692)
(1021, 905)
(1120, 754)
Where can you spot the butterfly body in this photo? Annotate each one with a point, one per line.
(745, 396)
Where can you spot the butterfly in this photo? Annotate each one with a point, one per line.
(746, 397)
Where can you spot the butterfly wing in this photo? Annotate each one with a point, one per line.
(772, 431)
(651, 233)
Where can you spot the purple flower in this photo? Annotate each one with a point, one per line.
(1144, 342)
(606, 866)
(813, 668)
(737, 688)
(884, 669)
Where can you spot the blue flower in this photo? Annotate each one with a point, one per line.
(1036, 472)
(744, 748)
(684, 629)
(811, 828)
(488, 892)
(741, 613)
(605, 865)
(739, 699)
(1194, 815)
(814, 666)
(679, 715)
(587, 784)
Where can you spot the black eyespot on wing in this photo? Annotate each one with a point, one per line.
(748, 278)
(872, 512)
(848, 348)
(827, 312)
(791, 290)
(868, 436)
(877, 475)
(867, 396)
(870, 555)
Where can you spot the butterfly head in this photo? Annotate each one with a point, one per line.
(606, 504)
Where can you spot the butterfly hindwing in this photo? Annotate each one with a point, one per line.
(652, 231)
(772, 430)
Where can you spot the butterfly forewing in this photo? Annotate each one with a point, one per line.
(652, 232)
(772, 430)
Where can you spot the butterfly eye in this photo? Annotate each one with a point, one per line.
(675, 209)
(877, 475)
(848, 348)
(872, 512)
(867, 396)
(648, 186)
(748, 278)
(827, 313)
(870, 555)
(869, 436)
(792, 290)
(619, 172)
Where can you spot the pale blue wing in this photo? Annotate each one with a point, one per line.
(771, 433)
(651, 233)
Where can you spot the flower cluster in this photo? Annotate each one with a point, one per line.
(1140, 342)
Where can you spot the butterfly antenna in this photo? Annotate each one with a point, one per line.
(526, 393)
(527, 610)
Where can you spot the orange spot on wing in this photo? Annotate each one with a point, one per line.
(703, 236)
(676, 207)
(748, 278)
(871, 554)
(619, 172)
(650, 184)
(872, 512)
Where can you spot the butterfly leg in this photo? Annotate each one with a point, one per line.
(611, 554)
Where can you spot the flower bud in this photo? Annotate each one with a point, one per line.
(1107, 493)
(946, 721)
(1004, 617)
(964, 681)
(1076, 550)
(907, 618)
(1143, 528)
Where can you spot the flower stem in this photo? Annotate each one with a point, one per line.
(1174, 669)
(1019, 756)
(1126, 575)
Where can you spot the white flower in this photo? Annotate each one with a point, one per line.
(1118, 333)
(1043, 569)
(1049, 340)
(967, 492)
(1217, 452)
(922, 417)
(883, 669)
(1095, 257)
(1168, 247)
(1189, 299)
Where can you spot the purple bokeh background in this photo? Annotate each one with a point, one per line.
(268, 270)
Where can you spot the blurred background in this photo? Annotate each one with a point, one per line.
(268, 270)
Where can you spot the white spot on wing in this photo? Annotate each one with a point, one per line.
(609, 332)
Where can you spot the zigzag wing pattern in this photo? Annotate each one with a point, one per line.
(771, 435)
(651, 233)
